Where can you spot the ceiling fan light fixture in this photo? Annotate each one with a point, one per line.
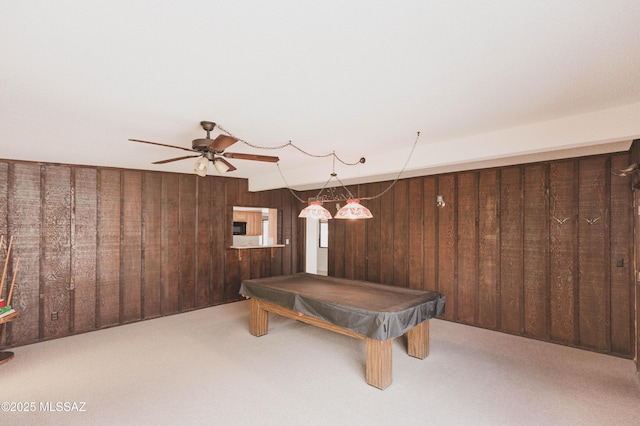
(353, 210)
(315, 211)
(220, 166)
(201, 166)
(207, 149)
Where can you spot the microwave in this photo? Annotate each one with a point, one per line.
(239, 228)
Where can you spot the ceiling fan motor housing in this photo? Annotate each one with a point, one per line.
(201, 145)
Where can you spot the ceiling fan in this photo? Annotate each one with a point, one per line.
(211, 150)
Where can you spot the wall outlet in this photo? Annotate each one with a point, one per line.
(54, 316)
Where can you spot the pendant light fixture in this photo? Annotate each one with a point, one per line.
(353, 210)
(315, 211)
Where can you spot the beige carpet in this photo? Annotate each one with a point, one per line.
(204, 367)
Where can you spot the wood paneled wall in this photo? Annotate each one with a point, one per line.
(541, 250)
(531, 250)
(103, 247)
(634, 154)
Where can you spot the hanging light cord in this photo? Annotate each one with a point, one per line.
(292, 145)
(333, 173)
(399, 174)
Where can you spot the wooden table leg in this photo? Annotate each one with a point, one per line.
(5, 357)
(379, 362)
(259, 318)
(418, 340)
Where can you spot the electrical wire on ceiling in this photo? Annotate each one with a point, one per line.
(333, 196)
(292, 145)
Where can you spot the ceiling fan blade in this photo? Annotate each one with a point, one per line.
(222, 142)
(228, 164)
(162, 144)
(254, 157)
(175, 159)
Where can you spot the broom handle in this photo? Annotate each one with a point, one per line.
(15, 271)
(6, 263)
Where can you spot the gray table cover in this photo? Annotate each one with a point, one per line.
(373, 310)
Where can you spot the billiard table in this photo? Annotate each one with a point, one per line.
(373, 312)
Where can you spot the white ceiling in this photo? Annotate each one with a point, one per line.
(485, 82)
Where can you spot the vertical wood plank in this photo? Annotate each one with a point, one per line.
(254, 263)
(415, 234)
(56, 251)
(337, 231)
(290, 211)
(373, 234)
(187, 238)
(467, 205)
(131, 267)
(429, 240)
(634, 154)
(245, 262)
(536, 251)
(296, 258)
(219, 226)
(203, 243)
(386, 237)
(300, 240)
(232, 193)
(447, 244)
(360, 247)
(593, 258)
(244, 196)
(265, 262)
(152, 244)
(170, 242)
(4, 199)
(563, 236)
(401, 233)
(277, 255)
(488, 248)
(84, 257)
(24, 215)
(109, 199)
(349, 245)
(622, 318)
(511, 249)
(232, 275)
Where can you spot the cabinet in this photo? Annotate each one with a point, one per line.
(253, 220)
